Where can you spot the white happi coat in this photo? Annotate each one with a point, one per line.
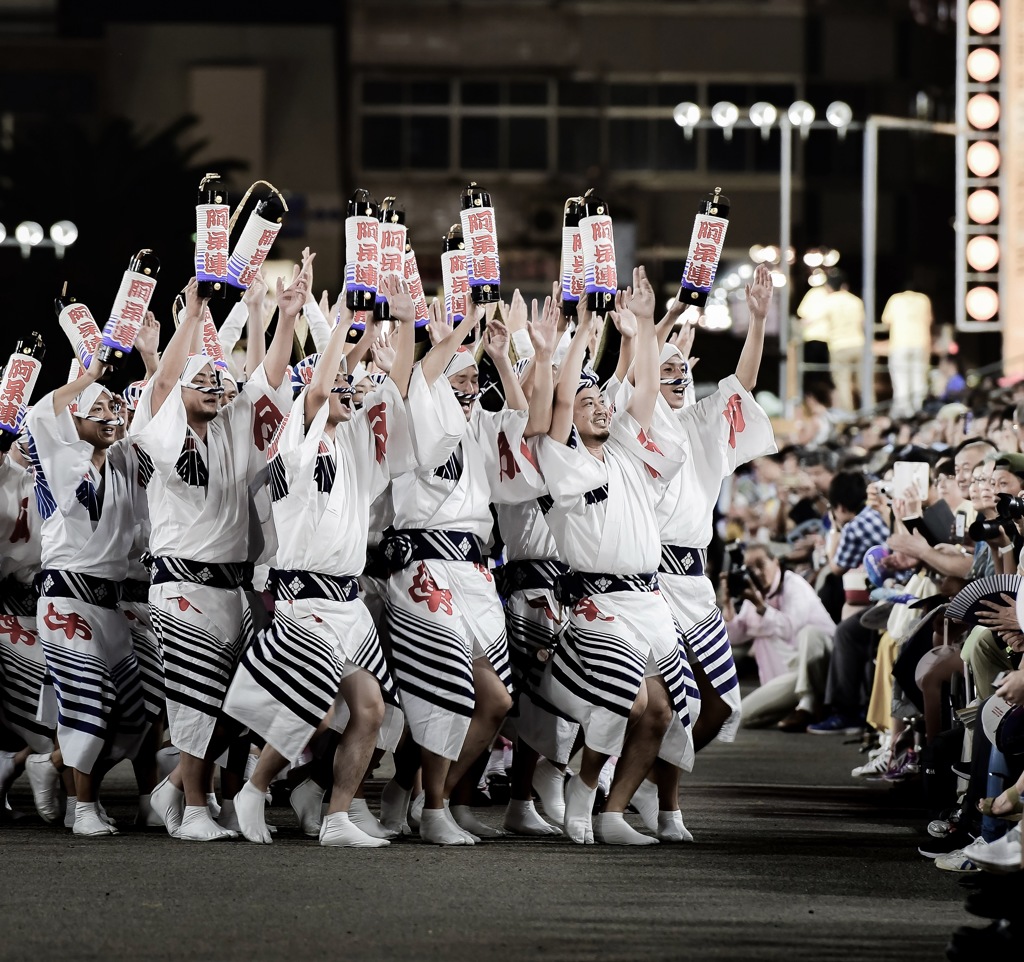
(604, 522)
(443, 614)
(88, 645)
(322, 490)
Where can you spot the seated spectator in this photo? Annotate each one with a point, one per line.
(792, 638)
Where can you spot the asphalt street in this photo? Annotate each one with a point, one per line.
(792, 860)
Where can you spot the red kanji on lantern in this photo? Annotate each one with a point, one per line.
(367, 230)
(711, 230)
(215, 264)
(482, 220)
(704, 253)
(217, 241)
(143, 290)
(699, 275)
(216, 217)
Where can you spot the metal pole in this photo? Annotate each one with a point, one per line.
(785, 224)
(869, 176)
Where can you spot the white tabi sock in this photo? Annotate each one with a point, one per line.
(197, 826)
(394, 808)
(339, 832)
(607, 775)
(437, 828)
(306, 799)
(250, 813)
(579, 807)
(228, 816)
(468, 822)
(359, 814)
(145, 817)
(213, 805)
(168, 806)
(671, 827)
(45, 782)
(69, 812)
(416, 810)
(549, 784)
(90, 823)
(521, 818)
(612, 829)
(645, 801)
(473, 839)
(103, 814)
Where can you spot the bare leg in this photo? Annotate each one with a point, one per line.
(361, 692)
(714, 712)
(641, 745)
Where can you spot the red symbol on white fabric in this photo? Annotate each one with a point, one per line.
(585, 608)
(21, 532)
(485, 572)
(379, 425)
(266, 419)
(734, 415)
(9, 626)
(648, 443)
(72, 625)
(539, 603)
(184, 604)
(424, 589)
(507, 467)
(276, 442)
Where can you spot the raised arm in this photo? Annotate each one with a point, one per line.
(327, 368)
(440, 354)
(646, 369)
(147, 343)
(290, 300)
(665, 325)
(543, 331)
(625, 324)
(255, 334)
(403, 310)
(569, 379)
(175, 355)
(496, 340)
(66, 393)
(759, 299)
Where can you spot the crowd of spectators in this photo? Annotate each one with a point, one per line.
(872, 573)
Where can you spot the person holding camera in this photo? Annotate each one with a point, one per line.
(792, 639)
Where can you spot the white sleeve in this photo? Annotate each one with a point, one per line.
(319, 326)
(661, 455)
(63, 457)
(569, 470)
(512, 467)
(231, 330)
(437, 423)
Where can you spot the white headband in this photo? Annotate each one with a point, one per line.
(463, 359)
(82, 404)
(195, 364)
(669, 352)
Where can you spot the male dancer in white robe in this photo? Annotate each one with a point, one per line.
(718, 434)
(321, 654)
(204, 459)
(85, 487)
(445, 621)
(620, 668)
(22, 663)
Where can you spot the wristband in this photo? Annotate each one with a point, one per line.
(1006, 549)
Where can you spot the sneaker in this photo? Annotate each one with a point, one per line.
(958, 860)
(906, 766)
(937, 847)
(999, 856)
(836, 725)
(876, 767)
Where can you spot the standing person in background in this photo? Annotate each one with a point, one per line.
(908, 316)
(844, 313)
(811, 312)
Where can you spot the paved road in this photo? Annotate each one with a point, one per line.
(793, 861)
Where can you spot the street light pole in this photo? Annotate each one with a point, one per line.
(785, 229)
(869, 233)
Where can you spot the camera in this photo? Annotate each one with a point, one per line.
(984, 529)
(739, 577)
(1010, 507)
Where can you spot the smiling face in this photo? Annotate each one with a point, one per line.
(981, 492)
(230, 391)
(100, 435)
(467, 381)
(200, 406)
(360, 390)
(675, 394)
(591, 416)
(339, 409)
